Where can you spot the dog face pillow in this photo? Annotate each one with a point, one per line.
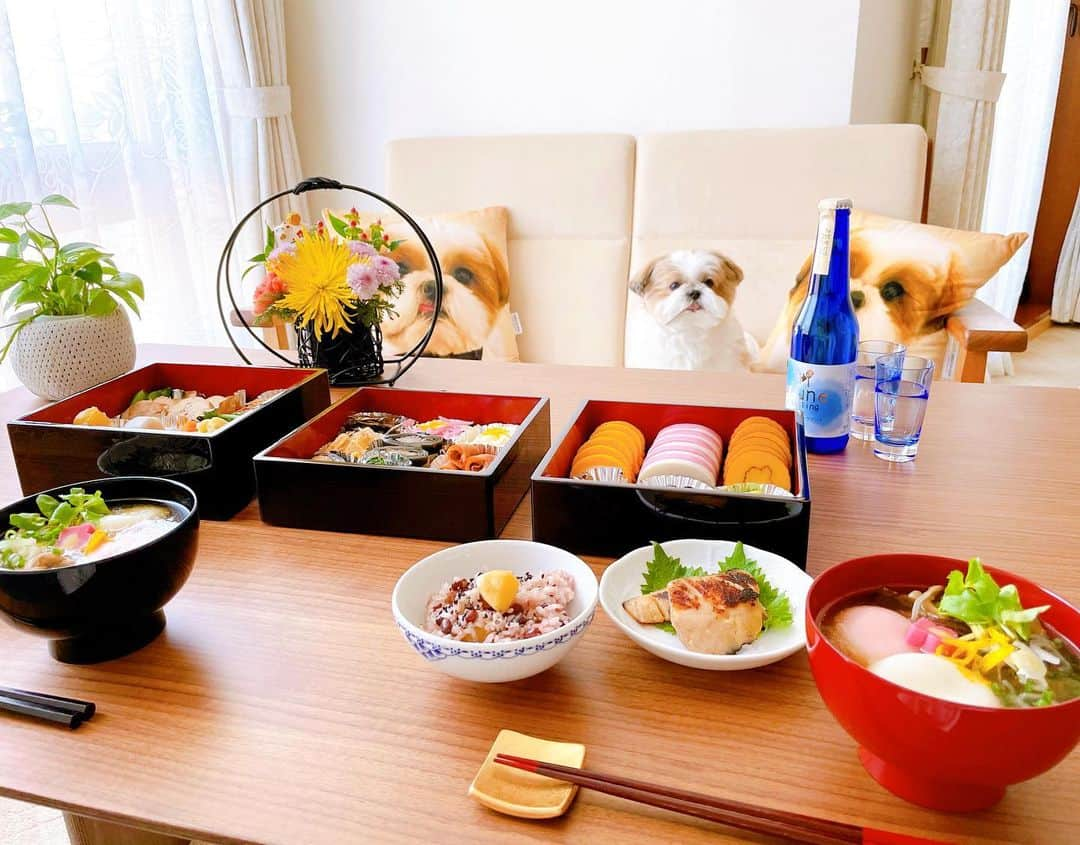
(474, 321)
(906, 278)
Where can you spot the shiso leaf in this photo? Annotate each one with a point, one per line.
(776, 603)
(663, 569)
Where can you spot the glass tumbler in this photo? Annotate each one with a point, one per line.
(901, 391)
(862, 404)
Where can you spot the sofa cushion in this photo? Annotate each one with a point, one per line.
(569, 199)
(905, 279)
(472, 251)
(752, 194)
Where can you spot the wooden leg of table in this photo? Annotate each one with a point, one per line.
(87, 831)
(973, 368)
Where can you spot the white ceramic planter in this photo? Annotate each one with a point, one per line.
(58, 356)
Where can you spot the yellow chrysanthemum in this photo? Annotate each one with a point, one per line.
(315, 275)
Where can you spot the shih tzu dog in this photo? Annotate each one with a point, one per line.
(686, 322)
(476, 288)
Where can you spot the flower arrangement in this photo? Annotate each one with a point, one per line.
(325, 281)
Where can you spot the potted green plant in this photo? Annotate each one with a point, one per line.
(62, 306)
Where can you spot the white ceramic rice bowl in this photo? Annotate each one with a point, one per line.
(502, 661)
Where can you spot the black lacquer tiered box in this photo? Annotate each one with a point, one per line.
(612, 518)
(424, 503)
(50, 451)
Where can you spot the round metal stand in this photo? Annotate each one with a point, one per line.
(348, 375)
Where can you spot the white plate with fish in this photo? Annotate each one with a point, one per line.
(708, 604)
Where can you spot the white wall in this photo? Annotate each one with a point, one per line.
(884, 51)
(368, 71)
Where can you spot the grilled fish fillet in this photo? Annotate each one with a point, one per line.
(649, 609)
(716, 614)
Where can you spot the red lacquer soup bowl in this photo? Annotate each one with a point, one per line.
(931, 752)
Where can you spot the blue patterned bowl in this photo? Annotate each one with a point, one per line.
(492, 662)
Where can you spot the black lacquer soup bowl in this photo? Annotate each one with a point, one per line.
(110, 607)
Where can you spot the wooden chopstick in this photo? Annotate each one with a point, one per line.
(792, 826)
(85, 709)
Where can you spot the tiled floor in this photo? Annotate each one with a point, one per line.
(1052, 360)
(27, 824)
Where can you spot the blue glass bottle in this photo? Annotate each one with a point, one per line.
(825, 337)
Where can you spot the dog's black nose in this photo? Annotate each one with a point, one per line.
(694, 295)
(428, 289)
(858, 298)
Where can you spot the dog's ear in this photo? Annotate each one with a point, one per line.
(641, 279)
(502, 272)
(955, 289)
(732, 270)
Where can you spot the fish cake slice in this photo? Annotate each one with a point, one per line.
(759, 424)
(757, 465)
(767, 444)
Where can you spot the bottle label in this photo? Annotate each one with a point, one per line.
(824, 245)
(822, 392)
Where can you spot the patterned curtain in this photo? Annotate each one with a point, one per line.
(1066, 305)
(960, 82)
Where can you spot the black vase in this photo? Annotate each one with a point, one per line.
(353, 357)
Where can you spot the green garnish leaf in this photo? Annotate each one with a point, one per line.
(215, 413)
(47, 504)
(72, 508)
(776, 603)
(978, 600)
(663, 569)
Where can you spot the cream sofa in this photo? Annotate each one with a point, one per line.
(586, 210)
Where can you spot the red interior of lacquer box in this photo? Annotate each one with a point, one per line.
(650, 418)
(114, 396)
(419, 405)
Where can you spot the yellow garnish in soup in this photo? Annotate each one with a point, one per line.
(95, 541)
(498, 588)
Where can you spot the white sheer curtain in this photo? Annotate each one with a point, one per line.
(1025, 116)
(162, 120)
(250, 83)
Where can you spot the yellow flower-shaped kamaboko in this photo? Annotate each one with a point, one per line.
(315, 278)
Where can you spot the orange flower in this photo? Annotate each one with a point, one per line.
(269, 291)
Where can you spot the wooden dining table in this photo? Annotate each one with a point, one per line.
(282, 705)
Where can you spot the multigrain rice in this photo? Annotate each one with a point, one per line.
(457, 610)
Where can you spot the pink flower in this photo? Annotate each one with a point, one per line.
(361, 248)
(363, 279)
(269, 291)
(386, 269)
(283, 249)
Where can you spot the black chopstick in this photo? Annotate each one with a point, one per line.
(85, 709)
(70, 712)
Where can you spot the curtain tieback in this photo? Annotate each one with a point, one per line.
(266, 101)
(972, 84)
